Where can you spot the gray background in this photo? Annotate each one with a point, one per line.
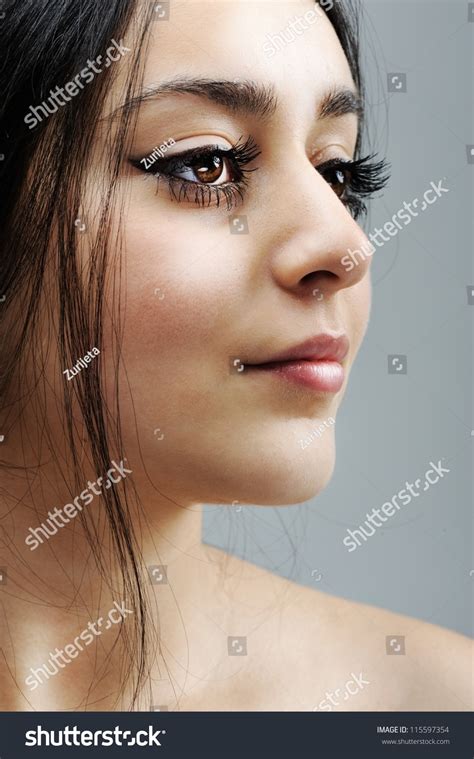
(391, 426)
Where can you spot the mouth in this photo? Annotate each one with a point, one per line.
(315, 364)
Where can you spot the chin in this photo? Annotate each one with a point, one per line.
(281, 481)
(299, 487)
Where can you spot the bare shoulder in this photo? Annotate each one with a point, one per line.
(404, 663)
(309, 650)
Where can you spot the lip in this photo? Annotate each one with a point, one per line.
(320, 348)
(315, 363)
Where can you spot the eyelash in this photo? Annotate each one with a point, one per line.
(361, 178)
(241, 154)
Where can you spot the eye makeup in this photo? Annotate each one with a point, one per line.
(208, 174)
(354, 182)
(157, 153)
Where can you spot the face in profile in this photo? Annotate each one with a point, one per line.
(180, 327)
(241, 323)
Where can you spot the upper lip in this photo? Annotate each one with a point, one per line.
(320, 348)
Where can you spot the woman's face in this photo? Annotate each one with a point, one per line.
(207, 286)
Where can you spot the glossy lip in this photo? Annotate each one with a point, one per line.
(315, 363)
(319, 348)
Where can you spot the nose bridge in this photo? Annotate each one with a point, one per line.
(315, 236)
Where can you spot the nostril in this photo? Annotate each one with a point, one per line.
(318, 277)
(318, 283)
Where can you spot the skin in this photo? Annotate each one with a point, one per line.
(227, 438)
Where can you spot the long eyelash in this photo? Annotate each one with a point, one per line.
(366, 177)
(203, 194)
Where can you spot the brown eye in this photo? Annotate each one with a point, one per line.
(336, 177)
(208, 170)
(206, 174)
(339, 183)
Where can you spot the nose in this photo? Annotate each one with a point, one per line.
(317, 245)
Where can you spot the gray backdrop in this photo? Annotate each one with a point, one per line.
(391, 426)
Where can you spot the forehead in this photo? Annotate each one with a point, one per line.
(232, 40)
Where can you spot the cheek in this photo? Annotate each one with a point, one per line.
(178, 290)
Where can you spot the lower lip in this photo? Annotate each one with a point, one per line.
(322, 376)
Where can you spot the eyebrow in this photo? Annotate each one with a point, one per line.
(245, 96)
(341, 101)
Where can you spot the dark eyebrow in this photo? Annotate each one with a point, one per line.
(339, 102)
(247, 96)
(244, 96)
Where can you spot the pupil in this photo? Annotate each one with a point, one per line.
(210, 173)
(340, 180)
